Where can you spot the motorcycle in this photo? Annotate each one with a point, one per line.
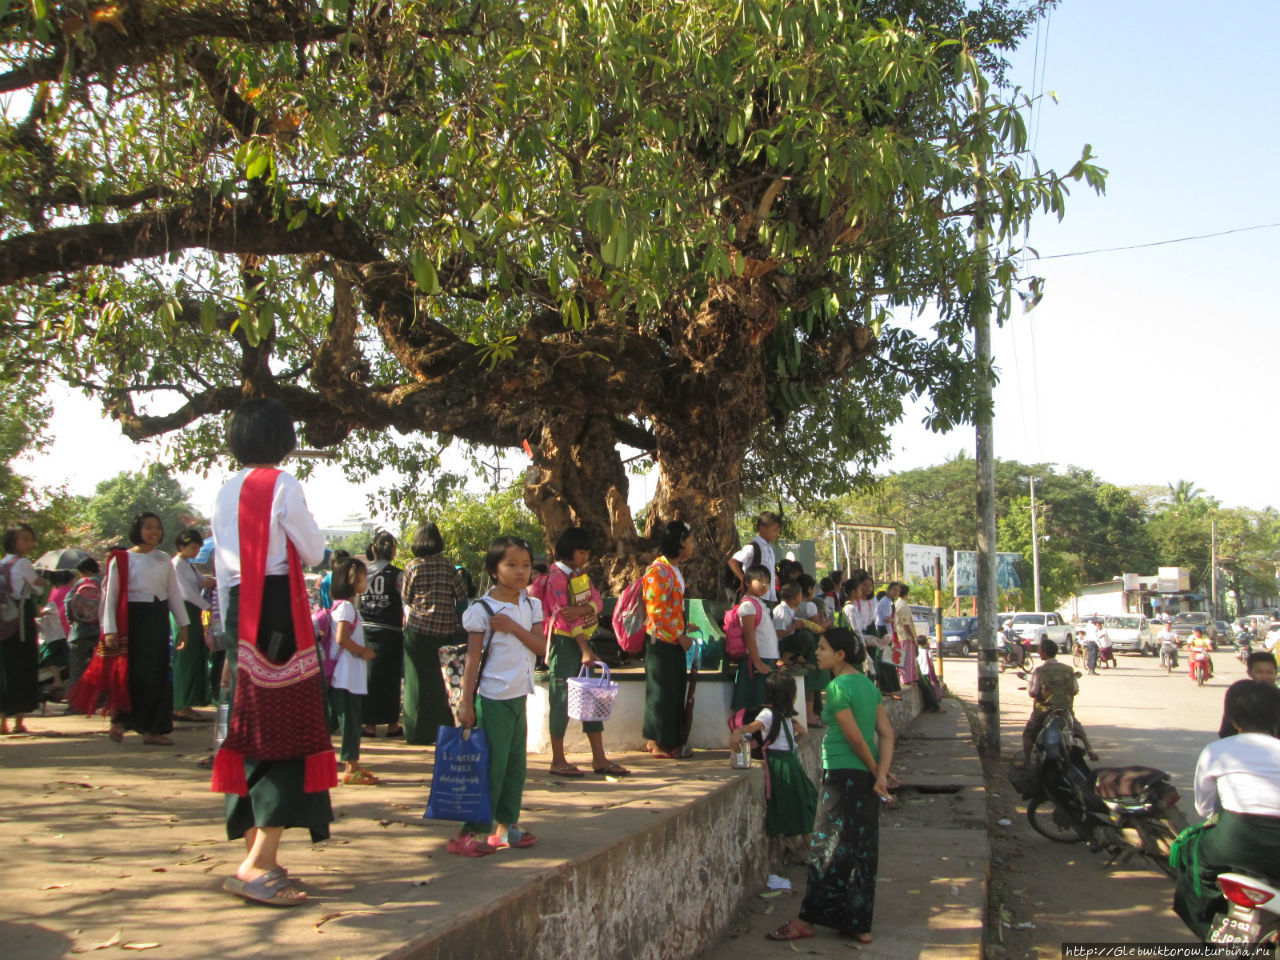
(1243, 649)
(1013, 655)
(1253, 913)
(1199, 667)
(1168, 657)
(1070, 803)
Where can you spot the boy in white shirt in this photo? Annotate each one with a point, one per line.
(759, 551)
(785, 625)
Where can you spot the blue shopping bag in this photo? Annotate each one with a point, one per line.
(460, 782)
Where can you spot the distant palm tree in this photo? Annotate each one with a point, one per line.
(1183, 492)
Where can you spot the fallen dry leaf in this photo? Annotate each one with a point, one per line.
(54, 886)
(341, 913)
(140, 945)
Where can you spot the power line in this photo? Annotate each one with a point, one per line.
(1161, 243)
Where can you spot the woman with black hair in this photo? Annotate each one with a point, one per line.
(666, 645)
(19, 652)
(382, 611)
(277, 763)
(431, 591)
(190, 658)
(857, 749)
(146, 575)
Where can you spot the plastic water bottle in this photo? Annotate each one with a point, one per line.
(740, 756)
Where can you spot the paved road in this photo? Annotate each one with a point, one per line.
(1134, 714)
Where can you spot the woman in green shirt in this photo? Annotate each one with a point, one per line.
(857, 749)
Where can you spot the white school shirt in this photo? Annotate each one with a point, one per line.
(783, 616)
(22, 576)
(884, 612)
(765, 716)
(768, 559)
(189, 583)
(508, 670)
(290, 519)
(350, 673)
(766, 635)
(151, 578)
(1104, 640)
(807, 611)
(1240, 774)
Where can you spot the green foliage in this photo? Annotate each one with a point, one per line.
(110, 512)
(53, 514)
(470, 522)
(1090, 530)
(453, 219)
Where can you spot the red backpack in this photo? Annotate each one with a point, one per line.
(629, 618)
(735, 641)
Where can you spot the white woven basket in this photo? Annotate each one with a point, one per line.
(591, 698)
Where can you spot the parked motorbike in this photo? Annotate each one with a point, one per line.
(1253, 912)
(1070, 803)
(1199, 667)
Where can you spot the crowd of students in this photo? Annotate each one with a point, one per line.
(292, 676)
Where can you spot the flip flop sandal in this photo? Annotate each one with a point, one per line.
(360, 778)
(520, 838)
(789, 931)
(468, 846)
(612, 770)
(569, 770)
(116, 735)
(265, 889)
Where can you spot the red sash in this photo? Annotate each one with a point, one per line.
(104, 685)
(278, 711)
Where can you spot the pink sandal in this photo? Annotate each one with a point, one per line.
(469, 846)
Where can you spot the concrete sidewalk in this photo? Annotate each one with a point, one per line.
(104, 842)
(115, 847)
(931, 894)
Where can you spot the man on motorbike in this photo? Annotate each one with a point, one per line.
(1197, 644)
(1168, 647)
(1052, 686)
(1237, 778)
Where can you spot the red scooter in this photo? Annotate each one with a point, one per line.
(1199, 660)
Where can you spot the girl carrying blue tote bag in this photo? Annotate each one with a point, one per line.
(460, 782)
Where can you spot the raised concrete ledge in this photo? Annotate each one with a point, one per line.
(665, 891)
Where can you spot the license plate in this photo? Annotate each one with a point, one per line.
(1238, 926)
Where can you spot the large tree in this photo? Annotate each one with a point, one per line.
(689, 229)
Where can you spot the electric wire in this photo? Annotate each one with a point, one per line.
(1161, 243)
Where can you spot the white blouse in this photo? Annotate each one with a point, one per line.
(22, 576)
(1240, 774)
(190, 583)
(151, 578)
(291, 522)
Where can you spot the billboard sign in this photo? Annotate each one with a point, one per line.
(1008, 571)
(917, 561)
(966, 573)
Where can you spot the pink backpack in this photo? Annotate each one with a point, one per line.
(322, 623)
(735, 641)
(629, 618)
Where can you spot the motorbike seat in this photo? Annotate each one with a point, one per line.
(1111, 783)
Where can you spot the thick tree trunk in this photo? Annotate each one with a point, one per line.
(700, 454)
(577, 479)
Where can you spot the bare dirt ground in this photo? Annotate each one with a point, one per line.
(1043, 894)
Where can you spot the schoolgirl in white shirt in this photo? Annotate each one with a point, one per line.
(504, 630)
(351, 672)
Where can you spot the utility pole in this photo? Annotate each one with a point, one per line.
(1213, 567)
(988, 665)
(1035, 547)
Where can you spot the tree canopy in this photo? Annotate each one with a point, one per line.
(700, 231)
(110, 512)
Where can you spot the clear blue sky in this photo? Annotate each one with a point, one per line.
(1146, 366)
(1150, 365)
